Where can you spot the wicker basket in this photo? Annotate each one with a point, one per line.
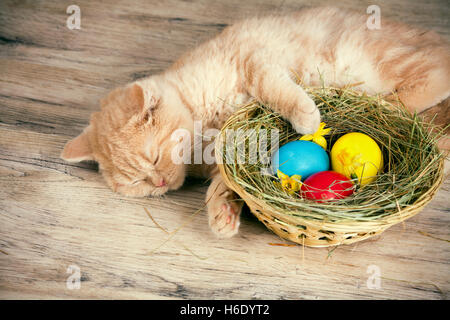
(321, 233)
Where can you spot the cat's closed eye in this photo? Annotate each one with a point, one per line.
(155, 162)
(136, 182)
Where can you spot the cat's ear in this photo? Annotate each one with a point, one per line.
(78, 149)
(145, 100)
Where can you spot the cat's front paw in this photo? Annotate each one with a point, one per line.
(306, 122)
(223, 214)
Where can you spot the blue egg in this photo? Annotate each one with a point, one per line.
(300, 157)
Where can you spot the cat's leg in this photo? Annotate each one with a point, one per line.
(422, 91)
(429, 97)
(274, 86)
(427, 93)
(224, 208)
(440, 116)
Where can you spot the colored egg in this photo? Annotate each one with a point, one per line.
(327, 185)
(356, 155)
(300, 157)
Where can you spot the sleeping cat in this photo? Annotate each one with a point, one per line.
(130, 137)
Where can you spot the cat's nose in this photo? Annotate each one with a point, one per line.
(161, 183)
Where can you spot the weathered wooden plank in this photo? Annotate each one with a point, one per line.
(74, 221)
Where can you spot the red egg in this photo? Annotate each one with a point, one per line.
(327, 185)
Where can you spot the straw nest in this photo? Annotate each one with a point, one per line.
(412, 173)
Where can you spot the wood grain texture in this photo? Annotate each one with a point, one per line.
(53, 214)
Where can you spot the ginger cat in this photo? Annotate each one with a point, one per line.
(130, 136)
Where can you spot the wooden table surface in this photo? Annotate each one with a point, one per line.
(59, 220)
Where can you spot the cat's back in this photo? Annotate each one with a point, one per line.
(315, 24)
(329, 33)
(325, 24)
(321, 44)
(341, 43)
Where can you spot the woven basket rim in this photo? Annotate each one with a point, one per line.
(384, 221)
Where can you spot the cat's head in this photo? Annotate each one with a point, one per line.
(130, 138)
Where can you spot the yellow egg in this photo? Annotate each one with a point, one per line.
(357, 155)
